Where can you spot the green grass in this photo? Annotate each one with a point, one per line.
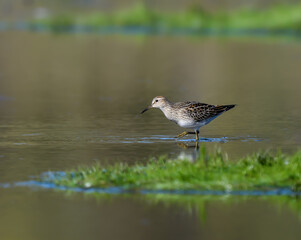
(276, 18)
(213, 171)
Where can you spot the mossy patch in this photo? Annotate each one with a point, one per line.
(212, 171)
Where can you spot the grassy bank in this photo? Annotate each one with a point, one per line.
(213, 171)
(277, 18)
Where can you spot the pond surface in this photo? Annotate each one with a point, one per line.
(74, 99)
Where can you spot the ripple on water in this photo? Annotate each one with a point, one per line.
(166, 138)
(31, 134)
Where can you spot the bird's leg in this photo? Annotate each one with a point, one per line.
(197, 135)
(184, 134)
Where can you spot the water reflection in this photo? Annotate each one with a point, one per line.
(147, 217)
(191, 152)
(198, 203)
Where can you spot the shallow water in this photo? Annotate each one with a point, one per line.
(74, 99)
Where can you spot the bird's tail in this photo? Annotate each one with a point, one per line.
(228, 107)
(223, 108)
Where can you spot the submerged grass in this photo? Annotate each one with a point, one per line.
(274, 19)
(261, 171)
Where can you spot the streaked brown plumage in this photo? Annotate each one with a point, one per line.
(191, 115)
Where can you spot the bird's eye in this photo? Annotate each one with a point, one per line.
(157, 100)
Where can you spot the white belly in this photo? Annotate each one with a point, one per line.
(191, 124)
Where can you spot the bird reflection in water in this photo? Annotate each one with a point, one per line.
(190, 152)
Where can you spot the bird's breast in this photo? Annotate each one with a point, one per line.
(175, 116)
(170, 114)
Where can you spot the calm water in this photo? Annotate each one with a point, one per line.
(68, 100)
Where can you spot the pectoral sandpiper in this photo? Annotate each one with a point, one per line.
(192, 115)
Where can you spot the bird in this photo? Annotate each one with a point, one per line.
(190, 114)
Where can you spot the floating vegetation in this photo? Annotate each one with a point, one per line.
(280, 18)
(212, 171)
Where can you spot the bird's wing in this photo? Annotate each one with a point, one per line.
(202, 111)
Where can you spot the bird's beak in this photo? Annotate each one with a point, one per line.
(149, 107)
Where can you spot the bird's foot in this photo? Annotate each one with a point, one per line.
(184, 134)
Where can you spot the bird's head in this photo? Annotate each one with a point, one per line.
(157, 102)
